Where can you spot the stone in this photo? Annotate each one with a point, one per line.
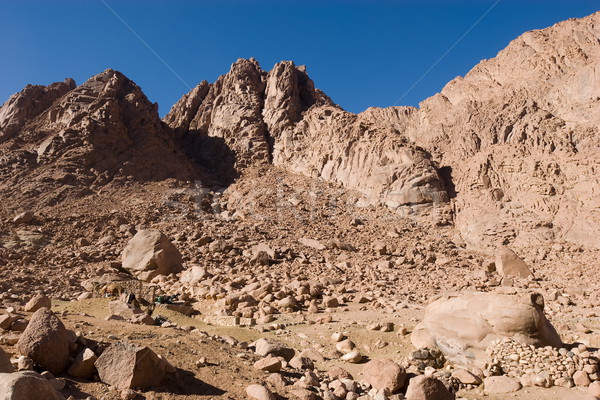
(126, 365)
(594, 388)
(37, 302)
(193, 275)
(150, 253)
(427, 388)
(463, 325)
(302, 363)
(500, 384)
(83, 365)
(265, 347)
(27, 385)
(465, 377)
(6, 321)
(5, 364)
(23, 218)
(268, 364)
(259, 392)
(384, 374)
(580, 378)
(122, 309)
(510, 264)
(338, 373)
(352, 356)
(46, 341)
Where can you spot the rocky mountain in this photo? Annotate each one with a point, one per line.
(509, 153)
(73, 141)
(513, 144)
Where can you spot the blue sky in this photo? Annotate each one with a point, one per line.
(361, 53)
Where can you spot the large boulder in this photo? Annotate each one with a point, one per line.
(508, 263)
(427, 388)
(37, 302)
(462, 326)
(127, 365)
(27, 385)
(45, 341)
(384, 374)
(150, 253)
(5, 365)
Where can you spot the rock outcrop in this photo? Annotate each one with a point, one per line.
(80, 139)
(250, 116)
(21, 107)
(519, 135)
(462, 326)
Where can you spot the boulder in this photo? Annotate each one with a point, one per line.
(508, 263)
(462, 326)
(124, 310)
(27, 385)
(268, 364)
(126, 365)
(384, 374)
(500, 384)
(46, 341)
(427, 388)
(83, 366)
(23, 218)
(259, 392)
(5, 365)
(150, 253)
(37, 302)
(264, 347)
(193, 275)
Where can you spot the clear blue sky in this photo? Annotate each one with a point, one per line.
(361, 53)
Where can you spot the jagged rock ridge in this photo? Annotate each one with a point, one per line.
(103, 131)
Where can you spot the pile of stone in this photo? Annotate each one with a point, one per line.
(543, 366)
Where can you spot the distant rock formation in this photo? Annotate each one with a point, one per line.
(74, 140)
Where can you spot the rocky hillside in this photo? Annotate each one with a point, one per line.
(513, 144)
(63, 141)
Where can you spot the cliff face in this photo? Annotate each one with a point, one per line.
(521, 135)
(280, 117)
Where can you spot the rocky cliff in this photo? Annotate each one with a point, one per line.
(64, 141)
(521, 134)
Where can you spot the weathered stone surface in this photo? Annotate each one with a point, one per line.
(37, 302)
(462, 326)
(29, 103)
(510, 264)
(384, 374)
(45, 341)
(150, 253)
(27, 385)
(427, 388)
(127, 365)
(500, 384)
